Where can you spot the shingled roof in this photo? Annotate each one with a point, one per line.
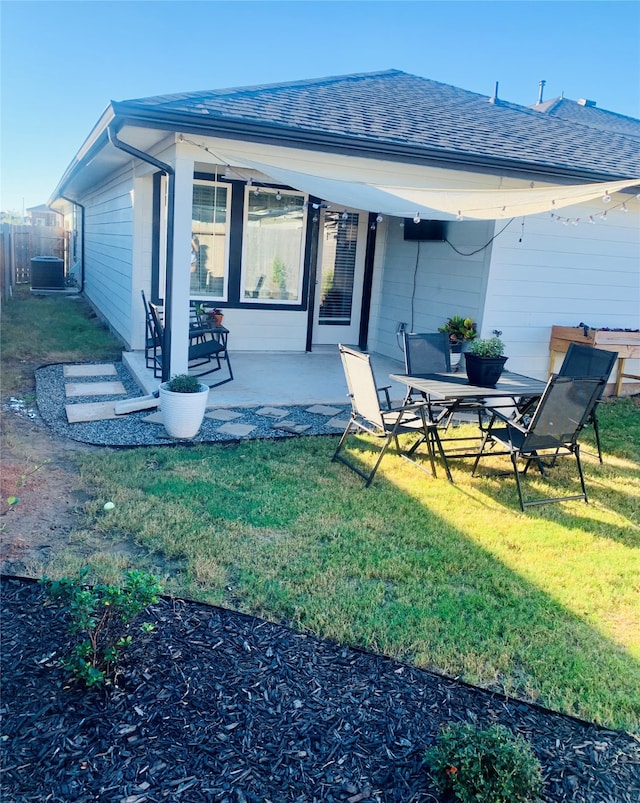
(392, 110)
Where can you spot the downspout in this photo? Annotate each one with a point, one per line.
(169, 173)
(77, 203)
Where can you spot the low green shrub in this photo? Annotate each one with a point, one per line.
(489, 347)
(484, 766)
(183, 383)
(101, 616)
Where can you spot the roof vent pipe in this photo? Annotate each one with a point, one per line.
(541, 90)
(494, 99)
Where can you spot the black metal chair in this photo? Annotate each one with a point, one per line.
(564, 408)
(426, 353)
(206, 347)
(430, 353)
(368, 415)
(580, 361)
(152, 345)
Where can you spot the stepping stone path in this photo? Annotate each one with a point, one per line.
(79, 412)
(101, 379)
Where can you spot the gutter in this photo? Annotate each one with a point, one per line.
(169, 172)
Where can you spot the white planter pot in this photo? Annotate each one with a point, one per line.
(182, 413)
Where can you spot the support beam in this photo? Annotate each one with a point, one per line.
(179, 286)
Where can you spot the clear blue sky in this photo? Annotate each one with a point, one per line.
(62, 62)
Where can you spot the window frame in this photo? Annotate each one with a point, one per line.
(204, 180)
(270, 303)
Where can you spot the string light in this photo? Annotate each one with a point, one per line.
(622, 207)
(379, 218)
(459, 215)
(278, 196)
(416, 219)
(606, 198)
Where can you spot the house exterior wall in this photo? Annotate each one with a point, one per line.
(563, 275)
(421, 284)
(109, 252)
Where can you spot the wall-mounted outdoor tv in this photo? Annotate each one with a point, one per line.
(429, 230)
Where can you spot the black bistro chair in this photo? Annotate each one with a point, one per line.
(367, 415)
(152, 345)
(426, 353)
(562, 412)
(583, 361)
(205, 348)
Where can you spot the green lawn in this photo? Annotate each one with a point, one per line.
(49, 329)
(543, 605)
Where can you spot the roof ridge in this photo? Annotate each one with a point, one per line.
(254, 88)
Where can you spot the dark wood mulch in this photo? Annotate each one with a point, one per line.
(219, 706)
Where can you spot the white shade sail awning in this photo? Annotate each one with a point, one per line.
(445, 204)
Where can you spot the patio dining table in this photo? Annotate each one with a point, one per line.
(456, 393)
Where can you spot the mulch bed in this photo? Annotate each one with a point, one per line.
(220, 706)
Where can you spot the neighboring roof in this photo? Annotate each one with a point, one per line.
(42, 208)
(393, 111)
(586, 113)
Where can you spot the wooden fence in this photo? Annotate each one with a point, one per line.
(18, 246)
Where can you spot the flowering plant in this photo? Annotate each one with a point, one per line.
(459, 328)
(491, 765)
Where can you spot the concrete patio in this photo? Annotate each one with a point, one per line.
(267, 378)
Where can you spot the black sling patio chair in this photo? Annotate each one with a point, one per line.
(152, 345)
(204, 349)
(425, 353)
(582, 361)
(430, 353)
(563, 410)
(367, 415)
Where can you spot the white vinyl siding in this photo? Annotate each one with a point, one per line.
(563, 275)
(423, 283)
(109, 252)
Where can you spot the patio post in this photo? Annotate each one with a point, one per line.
(178, 286)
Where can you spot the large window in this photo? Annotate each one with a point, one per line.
(273, 246)
(209, 241)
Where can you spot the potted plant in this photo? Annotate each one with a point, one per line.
(485, 360)
(216, 316)
(183, 401)
(461, 331)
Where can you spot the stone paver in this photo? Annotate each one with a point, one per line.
(97, 411)
(239, 430)
(223, 415)
(291, 426)
(94, 389)
(154, 418)
(323, 409)
(273, 412)
(338, 423)
(99, 369)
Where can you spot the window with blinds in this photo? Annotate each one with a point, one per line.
(338, 268)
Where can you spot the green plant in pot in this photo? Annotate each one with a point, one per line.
(183, 401)
(461, 332)
(485, 360)
(459, 329)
